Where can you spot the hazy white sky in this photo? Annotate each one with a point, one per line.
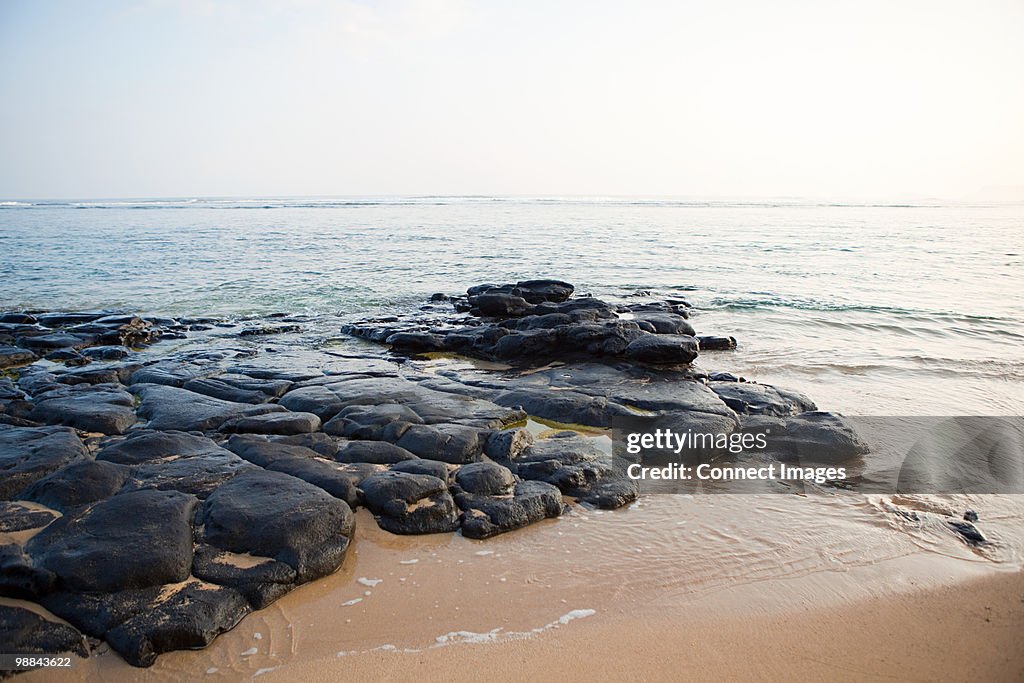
(714, 98)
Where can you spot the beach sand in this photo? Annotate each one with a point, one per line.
(971, 631)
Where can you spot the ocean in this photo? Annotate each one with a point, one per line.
(909, 309)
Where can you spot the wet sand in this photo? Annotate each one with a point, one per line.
(973, 631)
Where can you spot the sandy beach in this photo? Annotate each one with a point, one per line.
(543, 602)
(963, 632)
(971, 628)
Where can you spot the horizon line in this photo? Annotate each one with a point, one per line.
(751, 198)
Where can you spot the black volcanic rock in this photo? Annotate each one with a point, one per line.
(132, 540)
(485, 479)
(238, 388)
(819, 436)
(12, 355)
(275, 515)
(578, 469)
(536, 321)
(146, 445)
(28, 454)
(749, 398)
(20, 578)
(500, 305)
(260, 582)
(433, 468)
(168, 407)
(375, 452)
(91, 408)
(142, 623)
(663, 323)
(368, 422)
(484, 516)
(662, 348)
(25, 632)
(297, 461)
(410, 503)
(19, 517)
(198, 475)
(189, 618)
(80, 483)
(283, 424)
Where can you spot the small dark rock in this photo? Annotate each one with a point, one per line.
(275, 515)
(375, 452)
(80, 483)
(968, 532)
(486, 516)
(410, 503)
(268, 329)
(662, 349)
(273, 423)
(485, 479)
(432, 468)
(711, 343)
(11, 356)
(25, 632)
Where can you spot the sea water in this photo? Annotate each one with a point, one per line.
(868, 308)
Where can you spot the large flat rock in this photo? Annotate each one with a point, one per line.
(432, 407)
(132, 540)
(92, 408)
(168, 407)
(30, 453)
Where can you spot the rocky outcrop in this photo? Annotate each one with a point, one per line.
(152, 497)
(537, 320)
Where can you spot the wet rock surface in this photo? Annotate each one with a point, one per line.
(161, 478)
(29, 454)
(25, 632)
(132, 540)
(405, 503)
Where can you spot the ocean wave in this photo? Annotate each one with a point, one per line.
(722, 303)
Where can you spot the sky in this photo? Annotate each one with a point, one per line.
(731, 98)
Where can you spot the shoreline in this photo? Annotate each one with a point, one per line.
(972, 631)
(462, 608)
(948, 622)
